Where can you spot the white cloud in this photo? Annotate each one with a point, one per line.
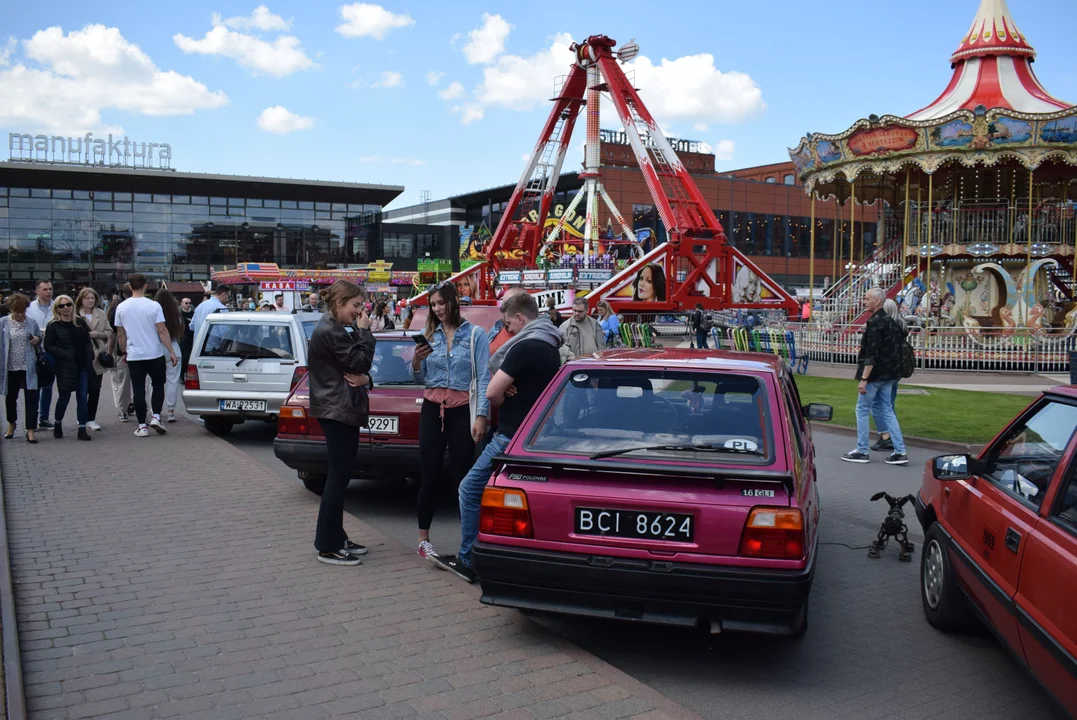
(485, 43)
(368, 20)
(692, 88)
(260, 19)
(453, 92)
(390, 79)
(382, 160)
(433, 78)
(87, 71)
(281, 57)
(279, 121)
(688, 89)
(7, 51)
(724, 150)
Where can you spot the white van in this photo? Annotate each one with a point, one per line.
(244, 364)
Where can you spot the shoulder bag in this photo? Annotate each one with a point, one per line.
(473, 390)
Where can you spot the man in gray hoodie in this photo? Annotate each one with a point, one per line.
(520, 371)
(583, 335)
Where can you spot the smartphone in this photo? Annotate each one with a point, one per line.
(420, 339)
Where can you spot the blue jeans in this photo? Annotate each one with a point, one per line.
(471, 488)
(82, 393)
(877, 408)
(701, 339)
(881, 392)
(45, 391)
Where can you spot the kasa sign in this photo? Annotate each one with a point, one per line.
(88, 150)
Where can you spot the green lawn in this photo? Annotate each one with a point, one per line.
(957, 415)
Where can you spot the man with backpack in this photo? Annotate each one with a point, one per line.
(879, 367)
(701, 325)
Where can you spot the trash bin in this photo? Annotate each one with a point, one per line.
(1073, 367)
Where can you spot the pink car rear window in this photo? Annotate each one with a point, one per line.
(726, 416)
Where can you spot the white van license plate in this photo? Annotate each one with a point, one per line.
(244, 405)
(382, 425)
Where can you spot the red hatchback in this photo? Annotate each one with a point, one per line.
(390, 445)
(674, 487)
(1001, 541)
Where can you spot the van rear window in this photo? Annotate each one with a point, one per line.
(249, 340)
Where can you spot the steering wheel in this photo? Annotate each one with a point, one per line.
(665, 410)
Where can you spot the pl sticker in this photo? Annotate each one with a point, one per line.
(741, 444)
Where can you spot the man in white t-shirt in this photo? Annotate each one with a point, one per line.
(140, 326)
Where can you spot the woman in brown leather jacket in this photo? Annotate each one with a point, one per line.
(340, 354)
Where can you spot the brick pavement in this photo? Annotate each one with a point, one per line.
(175, 577)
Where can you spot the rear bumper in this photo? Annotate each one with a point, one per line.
(737, 599)
(309, 456)
(207, 402)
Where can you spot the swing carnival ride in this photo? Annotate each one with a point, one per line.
(978, 230)
(695, 265)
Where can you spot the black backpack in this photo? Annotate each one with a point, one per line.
(908, 357)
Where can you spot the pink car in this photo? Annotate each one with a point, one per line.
(665, 486)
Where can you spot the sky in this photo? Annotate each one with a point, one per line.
(449, 97)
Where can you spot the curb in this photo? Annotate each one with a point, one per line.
(13, 690)
(927, 443)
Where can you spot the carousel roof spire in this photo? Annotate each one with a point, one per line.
(993, 68)
(993, 32)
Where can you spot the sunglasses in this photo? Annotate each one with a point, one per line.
(64, 306)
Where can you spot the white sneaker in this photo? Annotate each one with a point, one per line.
(155, 423)
(171, 416)
(93, 426)
(142, 431)
(124, 417)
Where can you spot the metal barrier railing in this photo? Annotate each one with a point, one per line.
(981, 350)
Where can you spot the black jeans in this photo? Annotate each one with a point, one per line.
(94, 395)
(341, 445)
(155, 369)
(16, 381)
(433, 438)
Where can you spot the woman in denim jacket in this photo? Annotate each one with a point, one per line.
(455, 358)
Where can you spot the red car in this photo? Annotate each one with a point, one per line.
(673, 487)
(390, 444)
(1001, 541)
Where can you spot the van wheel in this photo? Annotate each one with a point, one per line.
(943, 603)
(218, 426)
(313, 482)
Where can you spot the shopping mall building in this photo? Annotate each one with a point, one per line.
(94, 223)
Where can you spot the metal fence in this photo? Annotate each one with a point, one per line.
(983, 350)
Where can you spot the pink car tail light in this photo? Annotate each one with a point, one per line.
(504, 511)
(292, 421)
(776, 533)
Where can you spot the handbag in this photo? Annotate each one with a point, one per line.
(46, 373)
(105, 359)
(473, 389)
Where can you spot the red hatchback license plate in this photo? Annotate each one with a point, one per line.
(635, 524)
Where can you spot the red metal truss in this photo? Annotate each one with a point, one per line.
(700, 266)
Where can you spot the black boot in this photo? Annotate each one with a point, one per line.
(83, 434)
(57, 431)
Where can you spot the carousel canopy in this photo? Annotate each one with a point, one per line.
(992, 68)
(993, 109)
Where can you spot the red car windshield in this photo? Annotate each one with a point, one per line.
(392, 362)
(707, 417)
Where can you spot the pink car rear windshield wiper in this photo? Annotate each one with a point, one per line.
(684, 447)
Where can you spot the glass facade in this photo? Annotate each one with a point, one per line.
(100, 237)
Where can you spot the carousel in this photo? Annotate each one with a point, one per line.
(975, 196)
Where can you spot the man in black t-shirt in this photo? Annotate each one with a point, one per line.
(530, 361)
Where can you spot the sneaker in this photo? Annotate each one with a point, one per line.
(453, 564)
(124, 417)
(142, 431)
(353, 548)
(155, 423)
(338, 557)
(426, 550)
(171, 416)
(92, 425)
(856, 457)
(130, 408)
(44, 424)
(897, 459)
(883, 444)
